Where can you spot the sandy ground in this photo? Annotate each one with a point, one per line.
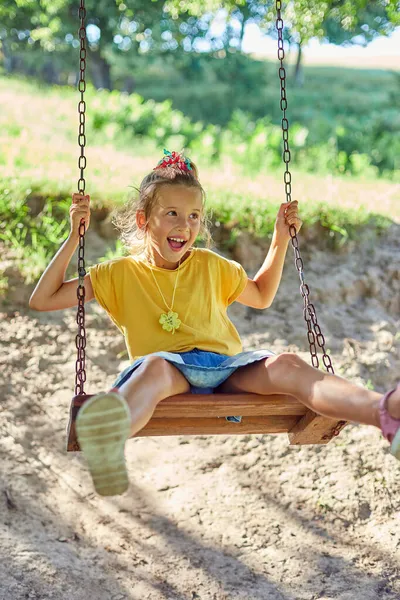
(210, 518)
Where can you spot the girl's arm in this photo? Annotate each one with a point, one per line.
(52, 292)
(269, 276)
(261, 291)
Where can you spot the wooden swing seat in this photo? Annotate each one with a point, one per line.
(198, 414)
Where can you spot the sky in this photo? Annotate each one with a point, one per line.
(257, 43)
(382, 52)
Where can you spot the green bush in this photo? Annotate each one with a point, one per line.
(368, 146)
(34, 238)
(362, 104)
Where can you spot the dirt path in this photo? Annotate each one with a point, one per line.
(210, 518)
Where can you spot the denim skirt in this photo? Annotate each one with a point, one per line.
(204, 370)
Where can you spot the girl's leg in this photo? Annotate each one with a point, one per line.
(154, 380)
(107, 420)
(325, 394)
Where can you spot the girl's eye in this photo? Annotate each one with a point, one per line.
(195, 215)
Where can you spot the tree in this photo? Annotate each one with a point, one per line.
(336, 21)
(373, 20)
(52, 26)
(39, 35)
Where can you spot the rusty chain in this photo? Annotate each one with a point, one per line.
(80, 339)
(314, 332)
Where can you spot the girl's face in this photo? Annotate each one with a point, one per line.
(174, 224)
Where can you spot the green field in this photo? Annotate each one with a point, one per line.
(39, 154)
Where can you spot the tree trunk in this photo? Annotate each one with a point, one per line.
(49, 72)
(9, 62)
(100, 71)
(241, 35)
(298, 72)
(129, 84)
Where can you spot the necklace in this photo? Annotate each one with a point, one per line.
(170, 320)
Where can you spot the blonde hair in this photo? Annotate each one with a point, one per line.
(134, 239)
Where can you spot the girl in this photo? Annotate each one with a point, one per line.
(169, 300)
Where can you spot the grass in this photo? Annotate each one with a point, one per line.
(39, 155)
(383, 62)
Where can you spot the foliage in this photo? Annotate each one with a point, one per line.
(118, 251)
(31, 235)
(365, 142)
(257, 217)
(306, 18)
(40, 37)
(35, 238)
(35, 194)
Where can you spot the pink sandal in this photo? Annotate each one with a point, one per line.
(390, 426)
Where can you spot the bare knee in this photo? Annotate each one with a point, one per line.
(284, 365)
(166, 375)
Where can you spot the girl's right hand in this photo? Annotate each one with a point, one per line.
(79, 211)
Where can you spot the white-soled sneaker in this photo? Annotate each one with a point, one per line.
(103, 425)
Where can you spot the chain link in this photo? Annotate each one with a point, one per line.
(80, 339)
(314, 332)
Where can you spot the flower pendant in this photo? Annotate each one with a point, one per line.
(170, 321)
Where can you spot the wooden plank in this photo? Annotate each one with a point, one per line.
(198, 414)
(224, 405)
(215, 426)
(313, 429)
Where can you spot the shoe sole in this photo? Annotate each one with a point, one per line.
(395, 446)
(103, 426)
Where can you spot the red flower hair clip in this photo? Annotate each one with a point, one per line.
(174, 158)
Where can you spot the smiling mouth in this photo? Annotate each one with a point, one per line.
(175, 245)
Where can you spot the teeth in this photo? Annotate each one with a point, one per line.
(177, 239)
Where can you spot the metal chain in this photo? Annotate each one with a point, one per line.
(310, 316)
(80, 340)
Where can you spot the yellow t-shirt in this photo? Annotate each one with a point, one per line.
(207, 284)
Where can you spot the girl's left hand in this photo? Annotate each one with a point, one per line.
(288, 215)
